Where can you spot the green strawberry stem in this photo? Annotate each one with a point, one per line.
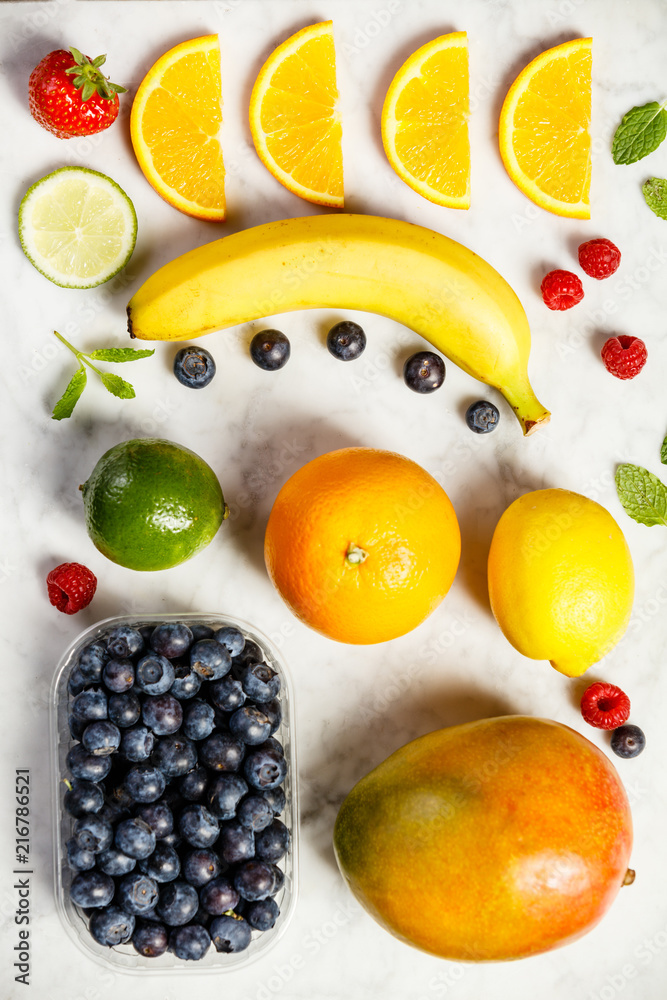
(89, 80)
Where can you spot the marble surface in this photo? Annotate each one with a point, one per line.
(354, 705)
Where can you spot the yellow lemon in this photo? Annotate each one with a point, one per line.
(561, 580)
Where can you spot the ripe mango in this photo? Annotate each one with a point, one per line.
(492, 840)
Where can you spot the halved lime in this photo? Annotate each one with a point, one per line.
(77, 227)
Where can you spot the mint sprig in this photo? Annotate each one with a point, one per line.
(655, 195)
(112, 383)
(641, 131)
(642, 495)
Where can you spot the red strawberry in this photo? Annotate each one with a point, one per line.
(70, 96)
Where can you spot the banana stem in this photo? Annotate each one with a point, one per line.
(529, 411)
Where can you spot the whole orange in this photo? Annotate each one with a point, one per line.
(362, 544)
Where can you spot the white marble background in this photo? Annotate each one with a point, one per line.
(354, 705)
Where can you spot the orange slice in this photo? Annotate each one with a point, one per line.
(544, 130)
(294, 118)
(175, 125)
(425, 121)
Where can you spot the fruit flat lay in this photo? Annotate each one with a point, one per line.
(341, 675)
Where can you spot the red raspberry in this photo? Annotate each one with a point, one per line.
(71, 587)
(605, 706)
(561, 290)
(624, 356)
(599, 258)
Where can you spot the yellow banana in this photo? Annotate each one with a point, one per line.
(431, 284)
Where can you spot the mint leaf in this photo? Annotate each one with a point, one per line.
(641, 131)
(119, 354)
(643, 495)
(655, 195)
(117, 386)
(663, 452)
(71, 395)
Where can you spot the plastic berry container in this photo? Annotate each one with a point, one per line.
(125, 958)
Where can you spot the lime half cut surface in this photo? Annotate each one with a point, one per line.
(77, 227)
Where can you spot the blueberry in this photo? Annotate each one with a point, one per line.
(254, 880)
(154, 674)
(163, 865)
(118, 675)
(145, 783)
(111, 926)
(198, 719)
(83, 797)
(186, 682)
(424, 372)
(201, 632)
(198, 826)
(162, 713)
(172, 839)
(251, 652)
(265, 768)
(91, 662)
(227, 694)
(174, 755)
(236, 843)
(190, 943)
(270, 350)
(137, 893)
(260, 682)
(171, 639)
(124, 642)
(137, 743)
(210, 659)
(150, 939)
(78, 857)
(254, 812)
(86, 765)
(222, 752)
(77, 727)
(482, 417)
(90, 705)
(231, 638)
(224, 794)
(274, 713)
(279, 876)
(76, 682)
(192, 785)
(114, 862)
(92, 889)
(124, 709)
(101, 738)
(250, 725)
(628, 741)
(230, 933)
(159, 817)
(218, 896)
(177, 904)
(194, 367)
(200, 866)
(276, 799)
(135, 838)
(271, 843)
(346, 340)
(262, 913)
(93, 833)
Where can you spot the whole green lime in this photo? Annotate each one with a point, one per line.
(151, 504)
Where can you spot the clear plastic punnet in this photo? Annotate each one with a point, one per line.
(124, 958)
